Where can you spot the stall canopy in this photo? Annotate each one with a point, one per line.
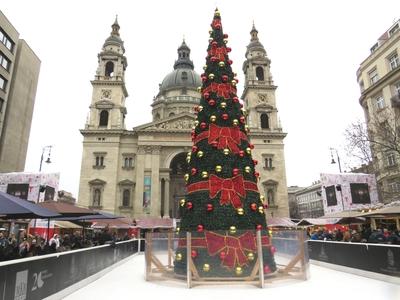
(280, 222)
(321, 222)
(121, 223)
(385, 211)
(65, 209)
(66, 225)
(150, 223)
(12, 207)
(100, 215)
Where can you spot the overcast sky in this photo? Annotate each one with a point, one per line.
(315, 48)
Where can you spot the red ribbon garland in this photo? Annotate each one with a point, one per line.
(222, 89)
(233, 247)
(218, 53)
(231, 189)
(227, 137)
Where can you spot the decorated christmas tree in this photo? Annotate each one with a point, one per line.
(223, 208)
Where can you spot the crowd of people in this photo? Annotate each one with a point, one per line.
(27, 245)
(363, 235)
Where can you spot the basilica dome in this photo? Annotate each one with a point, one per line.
(180, 78)
(183, 75)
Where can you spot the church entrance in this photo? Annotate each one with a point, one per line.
(177, 188)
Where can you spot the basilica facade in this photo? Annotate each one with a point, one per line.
(139, 172)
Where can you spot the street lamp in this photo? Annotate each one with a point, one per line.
(48, 161)
(338, 158)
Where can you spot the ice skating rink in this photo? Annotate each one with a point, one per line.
(127, 282)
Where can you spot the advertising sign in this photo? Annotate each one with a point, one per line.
(341, 192)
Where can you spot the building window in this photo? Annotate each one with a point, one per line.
(126, 197)
(394, 29)
(171, 114)
(4, 61)
(264, 119)
(103, 118)
(3, 83)
(268, 163)
(6, 41)
(374, 47)
(260, 73)
(391, 160)
(397, 89)
(394, 187)
(157, 117)
(270, 197)
(393, 61)
(184, 76)
(96, 197)
(1, 104)
(380, 102)
(128, 162)
(373, 76)
(109, 71)
(99, 161)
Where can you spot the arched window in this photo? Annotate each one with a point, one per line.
(103, 118)
(270, 197)
(157, 117)
(109, 72)
(260, 73)
(171, 114)
(126, 198)
(264, 121)
(96, 197)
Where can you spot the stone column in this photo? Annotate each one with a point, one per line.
(138, 203)
(166, 199)
(155, 182)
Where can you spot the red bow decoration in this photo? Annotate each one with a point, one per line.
(227, 137)
(233, 246)
(215, 22)
(231, 188)
(218, 53)
(222, 89)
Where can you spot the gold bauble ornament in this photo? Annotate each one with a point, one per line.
(211, 76)
(244, 112)
(248, 150)
(213, 118)
(217, 13)
(182, 202)
(235, 122)
(178, 229)
(261, 209)
(226, 151)
(196, 123)
(210, 40)
(238, 270)
(199, 89)
(247, 169)
(240, 211)
(270, 232)
(204, 67)
(233, 82)
(193, 128)
(223, 104)
(232, 229)
(246, 128)
(226, 41)
(206, 267)
(210, 31)
(250, 256)
(221, 64)
(200, 108)
(204, 174)
(200, 154)
(262, 198)
(218, 169)
(186, 177)
(188, 158)
(178, 257)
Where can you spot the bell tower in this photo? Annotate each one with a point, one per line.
(265, 128)
(107, 108)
